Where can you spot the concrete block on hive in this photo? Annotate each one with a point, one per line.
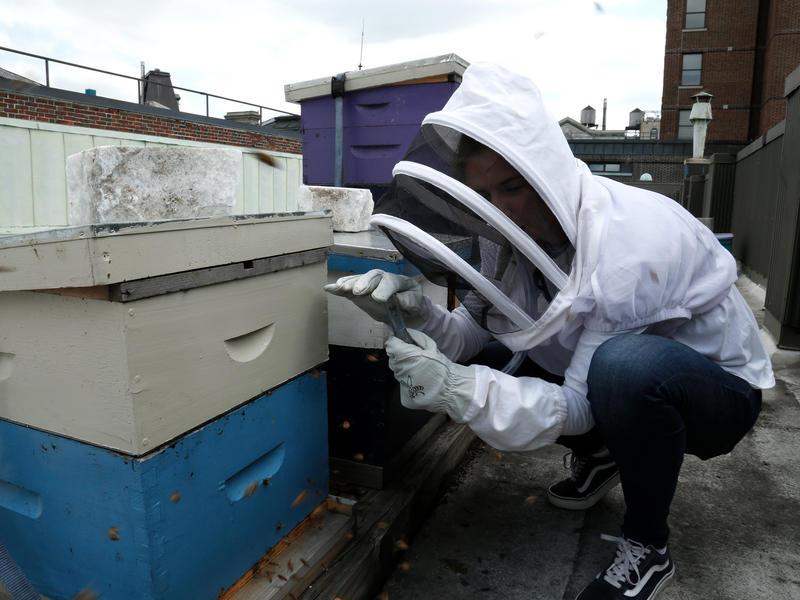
(118, 184)
(351, 207)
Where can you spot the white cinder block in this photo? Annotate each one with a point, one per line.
(120, 184)
(351, 207)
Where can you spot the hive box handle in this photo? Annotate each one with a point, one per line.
(6, 365)
(257, 473)
(20, 500)
(249, 346)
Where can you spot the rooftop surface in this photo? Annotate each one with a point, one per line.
(734, 520)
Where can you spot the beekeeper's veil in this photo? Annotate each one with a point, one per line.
(492, 167)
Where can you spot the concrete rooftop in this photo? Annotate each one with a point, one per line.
(735, 520)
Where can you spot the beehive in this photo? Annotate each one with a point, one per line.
(160, 407)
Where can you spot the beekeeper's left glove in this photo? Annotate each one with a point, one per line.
(428, 379)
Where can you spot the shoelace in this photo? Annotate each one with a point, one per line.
(575, 463)
(626, 561)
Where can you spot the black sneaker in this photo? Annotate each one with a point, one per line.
(591, 478)
(639, 572)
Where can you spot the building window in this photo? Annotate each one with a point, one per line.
(692, 66)
(654, 133)
(695, 14)
(685, 129)
(611, 169)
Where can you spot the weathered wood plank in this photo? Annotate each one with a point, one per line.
(388, 517)
(74, 143)
(16, 189)
(346, 471)
(293, 181)
(49, 178)
(279, 184)
(250, 175)
(266, 188)
(287, 570)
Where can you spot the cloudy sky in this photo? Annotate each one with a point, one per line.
(578, 51)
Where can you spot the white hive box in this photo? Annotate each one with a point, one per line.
(128, 336)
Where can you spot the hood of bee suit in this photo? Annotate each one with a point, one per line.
(631, 257)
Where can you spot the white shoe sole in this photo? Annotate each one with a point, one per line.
(588, 501)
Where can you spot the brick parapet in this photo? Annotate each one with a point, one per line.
(63, 112)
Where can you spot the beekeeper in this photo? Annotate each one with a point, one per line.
(617, 290)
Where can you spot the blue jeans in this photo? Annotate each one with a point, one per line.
(653, 400)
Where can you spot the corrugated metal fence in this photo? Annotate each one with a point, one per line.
(766, 218)
(33, 188)
(754, 196)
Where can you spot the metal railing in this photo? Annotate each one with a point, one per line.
(140, 82)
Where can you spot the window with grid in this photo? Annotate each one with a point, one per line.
(695, 14)
(653, 133)
(692, 67)
(685, 129)
(611, 169)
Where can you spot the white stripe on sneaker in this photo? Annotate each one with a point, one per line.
(633, 592)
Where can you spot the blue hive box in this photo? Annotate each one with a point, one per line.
(183, 522)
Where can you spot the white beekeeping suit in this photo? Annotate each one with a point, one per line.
(624, 260)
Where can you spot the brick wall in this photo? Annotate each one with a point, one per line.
(781, 55)
(748, 48)
(728, 46)
(53, 110)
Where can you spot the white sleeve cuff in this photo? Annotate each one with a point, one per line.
(579, 413)
(515, 413)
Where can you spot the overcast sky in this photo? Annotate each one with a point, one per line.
(578, 51)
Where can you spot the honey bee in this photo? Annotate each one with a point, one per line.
(268, 160)
(299, 499)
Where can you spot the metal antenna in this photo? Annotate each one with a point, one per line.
(361, 54)
(141, 83)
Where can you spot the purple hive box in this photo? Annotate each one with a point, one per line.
(383, 109)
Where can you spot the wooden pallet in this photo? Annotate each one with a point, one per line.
(299, 558)
(345, 551)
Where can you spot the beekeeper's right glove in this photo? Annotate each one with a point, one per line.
(371, 291)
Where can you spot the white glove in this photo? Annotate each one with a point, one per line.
(428, 379)
(372, 290)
